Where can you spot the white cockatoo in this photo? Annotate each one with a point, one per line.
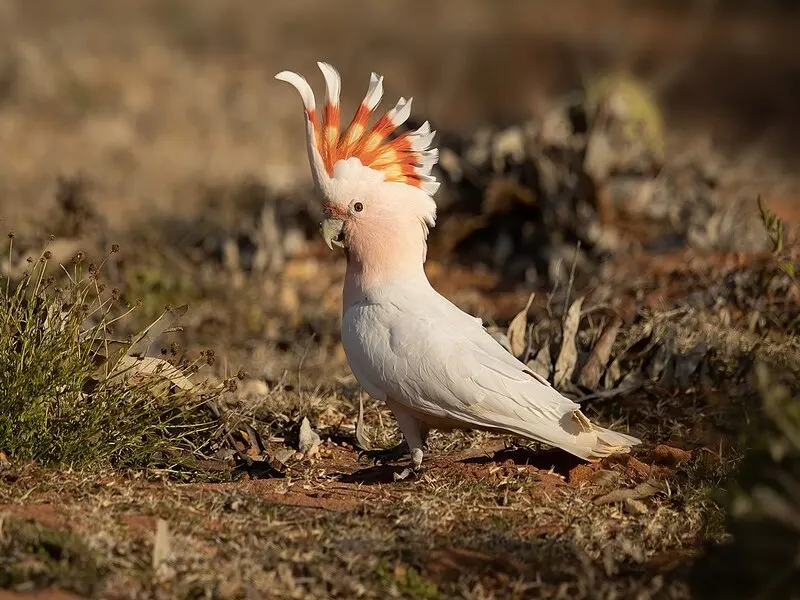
(432, 364)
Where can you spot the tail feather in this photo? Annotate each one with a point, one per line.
(592, 442)
(573, 433)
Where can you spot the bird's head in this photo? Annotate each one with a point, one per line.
(375, 185)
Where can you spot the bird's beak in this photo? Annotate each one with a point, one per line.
(332, 232)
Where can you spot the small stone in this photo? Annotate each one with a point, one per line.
(253, 388)
(605, 478)
(632, 467)
(582, 473)
(670, 456)
(283, 456)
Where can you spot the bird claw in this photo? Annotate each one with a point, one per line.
(407, 474)
(383, 456)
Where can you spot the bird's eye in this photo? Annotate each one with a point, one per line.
(358, 207)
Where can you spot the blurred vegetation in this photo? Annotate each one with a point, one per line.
(762, 557)
(32, 553)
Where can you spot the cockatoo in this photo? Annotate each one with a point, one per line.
(432, 364)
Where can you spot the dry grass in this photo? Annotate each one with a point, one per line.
(158, 123)
(464, 530)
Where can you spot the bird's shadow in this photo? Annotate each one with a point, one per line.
(378, 474)
(558, 461)
(552, 459)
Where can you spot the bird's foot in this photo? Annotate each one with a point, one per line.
(385, 456)
(407, 474)
(416, 467)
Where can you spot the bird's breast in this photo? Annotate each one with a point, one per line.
(365, 338)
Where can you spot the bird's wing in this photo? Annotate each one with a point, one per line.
(419, 352)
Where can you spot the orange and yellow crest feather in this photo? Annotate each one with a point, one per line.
(404, 158)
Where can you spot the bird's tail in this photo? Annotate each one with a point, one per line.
(592, 442)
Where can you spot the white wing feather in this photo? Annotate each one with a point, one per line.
(415, 347)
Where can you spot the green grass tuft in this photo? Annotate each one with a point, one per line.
(406, 582)
(72, 395)
(37, 556)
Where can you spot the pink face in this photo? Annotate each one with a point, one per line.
(356, 220)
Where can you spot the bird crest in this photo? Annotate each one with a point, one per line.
(404, 158)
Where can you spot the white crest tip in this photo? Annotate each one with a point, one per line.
(402, 112)
(301, 85)
(423, 129)
(333, 82)
(374, 91)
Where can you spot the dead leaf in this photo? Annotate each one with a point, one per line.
(257, 445)
(643, 490)
(613, 374)
(568, 356)
(688, 364)
(518, 328)
(657, 364)
(309, 439)
(283, 455)
(599, 156)
(542, 363)
(162, 543)
(631, 382)
(595, 365)
(152, 366)
(605, 478)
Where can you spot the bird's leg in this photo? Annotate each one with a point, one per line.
(415, 433)
(411, 429)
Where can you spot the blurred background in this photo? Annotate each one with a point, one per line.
(152, 98)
